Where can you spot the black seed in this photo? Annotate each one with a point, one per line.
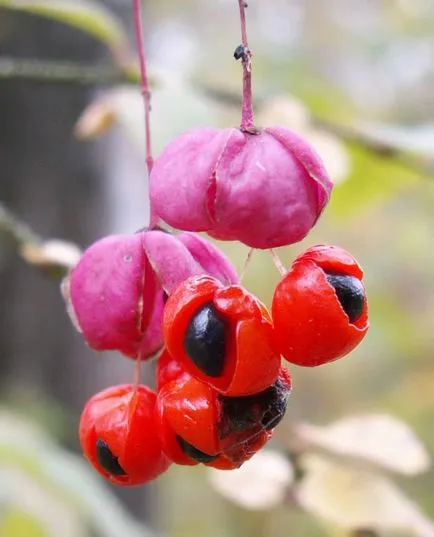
(193, 452)
(266, 408)
(277, 407)
(107, 460)
(239, 52)
(205, 341)
(350, 293)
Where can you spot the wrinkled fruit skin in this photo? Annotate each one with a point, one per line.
(221, 335)
(116, 293)
(115, 297)
(265, 190)
(198, 425)
(311, 326)
(119, 435)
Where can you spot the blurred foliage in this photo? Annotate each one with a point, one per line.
(335, 66)
(87, 16)
(47, 491)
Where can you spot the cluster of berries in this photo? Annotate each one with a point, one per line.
(221, 388)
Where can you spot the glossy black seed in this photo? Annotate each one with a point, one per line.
(266, 408)
(350, 293)
(194, 453)
(107, 460)
(205, 341)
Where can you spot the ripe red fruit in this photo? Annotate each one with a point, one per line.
(119, 435)
(266, 189)
(168, 369)
(115, 294)
(320, 309)
(198, 425)
(221, 335)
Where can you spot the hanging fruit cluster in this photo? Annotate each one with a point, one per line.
(221, 387)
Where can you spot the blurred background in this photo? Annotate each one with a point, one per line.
(357, 79)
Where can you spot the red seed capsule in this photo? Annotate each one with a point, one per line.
(221, 335)
(198, 425)
(320, 309)
(120, 437)
(168, 369)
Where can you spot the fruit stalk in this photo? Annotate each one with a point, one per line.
(146, 92)
(278, 262)
(137, 373)
(247, 119)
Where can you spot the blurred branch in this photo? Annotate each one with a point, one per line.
(352, 135)
(54, 257)
(76, 73)
(61, 72)
(424, 166)
(17, 230)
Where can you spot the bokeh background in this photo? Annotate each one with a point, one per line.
(357, 79)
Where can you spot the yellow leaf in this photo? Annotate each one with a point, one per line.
(354, 499)
(16, 523)
(377, 439)
(51, 254)
(261, 483)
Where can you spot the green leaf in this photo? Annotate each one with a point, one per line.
(39, 409)
(87, 16)
(16, 523)
(89, 492)
(373, 180)
(30, 461)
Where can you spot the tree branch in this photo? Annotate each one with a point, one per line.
(16, 230)
(64, 72)
(418, 164)
(424, 166)
(54, 257)
(364, 533)
(75, 73)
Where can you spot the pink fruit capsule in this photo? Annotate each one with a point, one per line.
(115, 295)
(265, 189)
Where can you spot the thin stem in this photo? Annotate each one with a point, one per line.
(278, 262)
(247, 118)
(146, 92)
(137, 371)
(246, 263)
